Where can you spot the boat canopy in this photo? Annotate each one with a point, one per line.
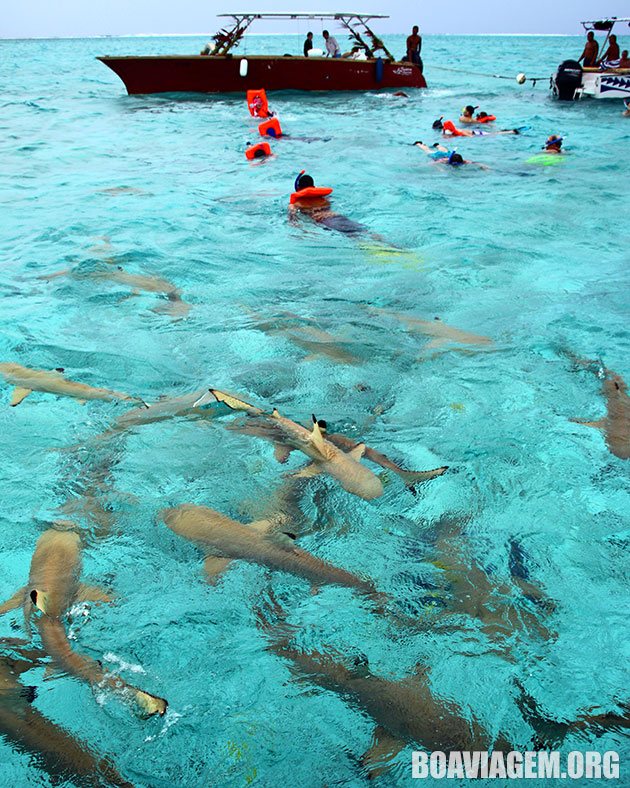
(605, 24)
(356, 23)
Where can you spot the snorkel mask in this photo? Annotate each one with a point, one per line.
(553, 142)
(451, 155)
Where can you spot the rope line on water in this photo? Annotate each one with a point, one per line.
(533, 80)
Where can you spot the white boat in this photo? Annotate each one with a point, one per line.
(573, 81)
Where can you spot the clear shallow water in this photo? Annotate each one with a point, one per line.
(533, 257)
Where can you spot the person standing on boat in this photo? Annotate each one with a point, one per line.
(332, 47)
(591, 50)
(308, 44)
(414, 47)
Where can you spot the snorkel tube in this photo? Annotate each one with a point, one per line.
(297, 180)
(554, 142)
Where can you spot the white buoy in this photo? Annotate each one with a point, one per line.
(521, 79)
(242, 69)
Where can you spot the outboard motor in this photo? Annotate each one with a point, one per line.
(568, 80)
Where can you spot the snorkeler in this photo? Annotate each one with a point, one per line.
(443, 155)
(449, 129)
(313, 202)
(553, 144)
(468, 114)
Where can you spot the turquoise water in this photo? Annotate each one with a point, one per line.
(534, 258)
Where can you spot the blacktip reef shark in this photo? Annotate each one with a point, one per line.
(53, 587)
(27, 380)
(405, 711)
(304, 333)
(282, 451)
(327, 458)
(175, 306)
(64, 758)
(225, 540)
(441, 333)
(616, 423)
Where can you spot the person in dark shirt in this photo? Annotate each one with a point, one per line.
(308, 44)
(591, 49)
(414, 46)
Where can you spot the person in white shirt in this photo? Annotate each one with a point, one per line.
(332, 47)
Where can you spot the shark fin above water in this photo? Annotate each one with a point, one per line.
(39, 599)
(317, 439)
(19, 394)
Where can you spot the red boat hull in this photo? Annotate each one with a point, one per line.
(206, 74)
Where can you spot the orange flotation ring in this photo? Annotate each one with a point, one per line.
(270, 128)
(486, 119)
(258, 151)
(257, 103)
(449, 126)
(311, 193)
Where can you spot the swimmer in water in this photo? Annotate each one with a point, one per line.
(449, 129)
(468, 114)
(553, 145)
(626, 112)
(317, 208)
(443, 155)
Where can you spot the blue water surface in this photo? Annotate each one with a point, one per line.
(533, 257)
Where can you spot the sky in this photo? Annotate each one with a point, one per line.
(59, 18)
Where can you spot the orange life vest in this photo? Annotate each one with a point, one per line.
(250, 153)
(450, 127)
(257, 103)
(486, 119)
(270, 128)
(311, 193)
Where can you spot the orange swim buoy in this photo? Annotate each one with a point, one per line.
(310, 193)
(449, 127)
(257, 103)
(270, 128)
(258, 151)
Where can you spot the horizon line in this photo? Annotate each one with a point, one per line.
(258, 35)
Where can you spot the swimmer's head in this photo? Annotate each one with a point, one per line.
(554, 142)
(469, 110)
(481, 115)
(303, 181)
(455, 158)
(437, 124)
(259, 153)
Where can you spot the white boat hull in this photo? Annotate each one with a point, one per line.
(606, 84)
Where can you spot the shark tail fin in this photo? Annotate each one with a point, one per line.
(150, 704)
(233, 402)
(413, 478)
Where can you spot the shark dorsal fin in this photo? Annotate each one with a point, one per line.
(39, 599)
(317, 439)
(275, 413)
(357, 452)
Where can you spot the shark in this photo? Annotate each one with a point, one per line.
(282, 451)
(63, 757)
(304, 334)
(26, 380)
(224, 540)
(616, 423)
(404, 711)
(327, 458)
(175, 306)
(53, 587)
(441, 333)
